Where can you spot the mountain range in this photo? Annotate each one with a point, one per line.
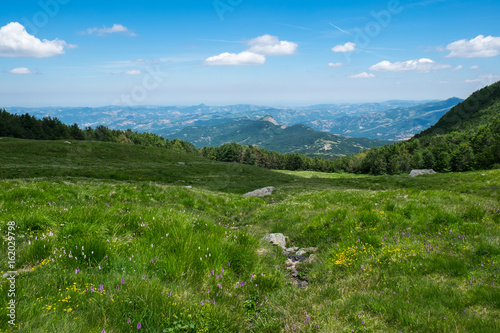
(267, 133)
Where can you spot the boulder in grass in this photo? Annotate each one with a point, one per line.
(277, 239)
(415, 173)
(262, 192)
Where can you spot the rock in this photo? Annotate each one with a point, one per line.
(415, 172)
(181, 163)
(297, 258)
(262, 192)
(67, 142)
(189, 187)
(300, 252)
(312, 258)
(277, 239)
(286, 252)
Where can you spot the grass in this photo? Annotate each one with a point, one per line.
(110, 243)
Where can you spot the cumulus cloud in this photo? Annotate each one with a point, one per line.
(15, 41)
(235, 59)
(20, 70)
(363, 75)
(335, 64)
(271, 45)
(479, 47)
(260, 47)
(459, 67)
(420, 65)
(116, 28)
(347, 47)
(474, 67)
(132, 72)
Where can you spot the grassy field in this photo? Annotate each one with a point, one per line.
(116, 238)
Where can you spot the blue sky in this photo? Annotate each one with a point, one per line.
(291, 52)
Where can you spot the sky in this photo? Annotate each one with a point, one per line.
(220, 52)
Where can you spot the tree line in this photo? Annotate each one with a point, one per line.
(467, 150)
(26, 126)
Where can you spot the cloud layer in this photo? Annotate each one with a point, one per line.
(233, 59)
(347, 47)
(260, 47)
(16, 42)
(479, 47)
(116, 28)
(20, 70)
(363, 75)
(420, 65)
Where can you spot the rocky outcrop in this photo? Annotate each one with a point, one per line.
(276, 239)
(415, 172)
(262, 192)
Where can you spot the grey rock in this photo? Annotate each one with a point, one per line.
(67, 142)
(277, 239)
(300, 252)
(420, 172)
(296, 258)
(262, 192)
(181, 163)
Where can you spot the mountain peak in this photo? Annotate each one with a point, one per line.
(270, 119)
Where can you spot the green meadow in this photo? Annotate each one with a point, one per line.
(120, 238)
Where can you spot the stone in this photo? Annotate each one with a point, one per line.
(181, 163)
(277, 239)
(262, 192)
(189, 186)
(420, 172)
(312, 258)
(300, 252)
(297, 258)
(67, 142)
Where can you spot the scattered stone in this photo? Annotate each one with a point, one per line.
(312, 258)
(296, 258)
(277, 239)
(262, 192)
(67, 142)
(189, 186)
(290, 250)
(181, 163)
(420, 172)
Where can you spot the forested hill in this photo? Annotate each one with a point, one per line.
(29, 127)
(466, 138)
(479, 109)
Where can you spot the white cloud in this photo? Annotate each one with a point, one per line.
(485, 78)
(116, 28)
(420, 65)
(132, 72)
(363, 75)
(20, 70)
(335, 64)
(271, 45)
(347, 47)
(474, 67)
(260, 47)
(479, 47)
(459, 67)
(233, 59)
(16, 42)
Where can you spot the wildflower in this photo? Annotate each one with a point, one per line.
(123, 280)
(151, 260)
(201, 303)
(77, 270)
(103, 331)
(144, 277)
(139, 326)
(129, 321)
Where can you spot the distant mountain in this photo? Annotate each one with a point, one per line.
(267, 133)
(479, 109)
(396, 124)
(391, 120)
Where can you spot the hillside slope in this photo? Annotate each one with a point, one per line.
(479, 109)
(268, 134)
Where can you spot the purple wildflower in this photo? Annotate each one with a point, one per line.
(139, 326)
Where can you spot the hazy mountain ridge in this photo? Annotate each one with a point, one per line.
(267, 133)
(166, 120)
